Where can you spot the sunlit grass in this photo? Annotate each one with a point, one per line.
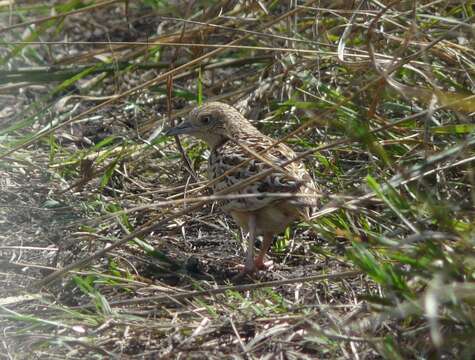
(398, 193)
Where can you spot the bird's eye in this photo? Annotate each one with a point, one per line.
(205, 120)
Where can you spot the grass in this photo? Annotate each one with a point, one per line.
(379, 102)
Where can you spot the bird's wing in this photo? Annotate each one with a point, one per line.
(293, 178)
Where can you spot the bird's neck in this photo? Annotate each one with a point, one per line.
(212, 140)
(243, 130)
(242, 134)
(217, 142)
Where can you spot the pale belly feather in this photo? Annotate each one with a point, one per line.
(271, 219)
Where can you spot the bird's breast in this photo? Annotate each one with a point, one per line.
(269, 219)
(229, 165)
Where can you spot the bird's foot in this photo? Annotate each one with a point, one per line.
(241, 276)
(248, 270)
(260, 264)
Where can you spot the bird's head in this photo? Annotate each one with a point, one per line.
(214, 123)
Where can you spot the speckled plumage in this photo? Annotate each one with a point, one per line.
(233, 140)
(225, 157)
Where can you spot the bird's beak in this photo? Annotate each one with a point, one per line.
(183, 128)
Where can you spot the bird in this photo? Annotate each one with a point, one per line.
(242, 155)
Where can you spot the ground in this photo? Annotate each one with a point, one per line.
(383, 270)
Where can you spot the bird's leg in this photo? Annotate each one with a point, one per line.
(266, 243)
(249, 266)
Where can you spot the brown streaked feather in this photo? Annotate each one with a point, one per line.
(242, 152)
(294, 178)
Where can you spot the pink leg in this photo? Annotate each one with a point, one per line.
(249, 266)
(266, 243)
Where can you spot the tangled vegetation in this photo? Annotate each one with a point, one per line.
(111, 244)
